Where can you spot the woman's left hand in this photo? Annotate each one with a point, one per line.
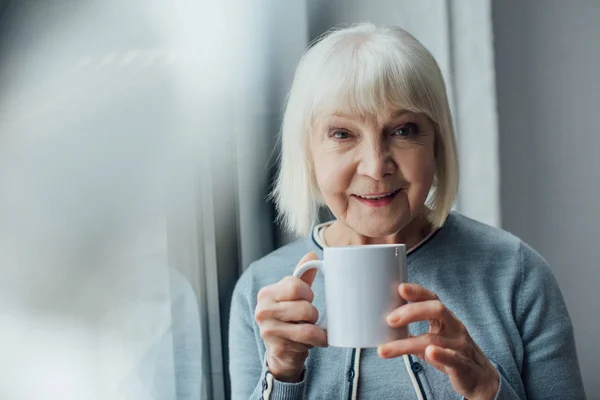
(447, 347)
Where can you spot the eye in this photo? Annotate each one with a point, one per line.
(339, 134)
(409, 129)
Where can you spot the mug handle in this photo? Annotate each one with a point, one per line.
(298, 272)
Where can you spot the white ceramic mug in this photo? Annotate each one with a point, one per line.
(361, 289)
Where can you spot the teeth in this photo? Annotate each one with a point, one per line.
(376, 197)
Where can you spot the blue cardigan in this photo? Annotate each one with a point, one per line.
(501, 289)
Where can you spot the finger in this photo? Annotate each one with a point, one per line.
(415, 293)
(445, 358)
(412, 345)
(431, 361)
(287, 289)
(304, 333)
(291, 289)
(295, 311)
(422, 311)
(279, 346)
(308, 276)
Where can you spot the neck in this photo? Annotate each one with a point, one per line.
(338, 234)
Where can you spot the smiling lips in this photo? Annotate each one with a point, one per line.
(377, 200)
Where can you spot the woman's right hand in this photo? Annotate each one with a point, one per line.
(286, 318)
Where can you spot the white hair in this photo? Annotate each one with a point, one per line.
(361, 70)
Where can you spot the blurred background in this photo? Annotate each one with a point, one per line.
(138, 143)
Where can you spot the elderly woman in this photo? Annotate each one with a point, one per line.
(368, 133)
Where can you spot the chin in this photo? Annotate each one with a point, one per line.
(381, 229)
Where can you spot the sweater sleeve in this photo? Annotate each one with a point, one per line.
(249, 376)
(550, 364)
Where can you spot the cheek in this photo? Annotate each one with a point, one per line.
(418, 168)
(333, 174)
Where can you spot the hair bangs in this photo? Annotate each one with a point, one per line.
(364, 80)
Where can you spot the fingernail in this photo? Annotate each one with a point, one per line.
(393, 320)
(382, 351)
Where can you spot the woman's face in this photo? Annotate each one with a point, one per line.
(374, 174)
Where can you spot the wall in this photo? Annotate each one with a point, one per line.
(547, 58)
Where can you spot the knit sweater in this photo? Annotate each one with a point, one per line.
(500, 288)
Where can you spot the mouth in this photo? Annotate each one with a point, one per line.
(378, 199)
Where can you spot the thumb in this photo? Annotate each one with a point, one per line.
(308, 276)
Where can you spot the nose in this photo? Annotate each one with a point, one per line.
(376, 161)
